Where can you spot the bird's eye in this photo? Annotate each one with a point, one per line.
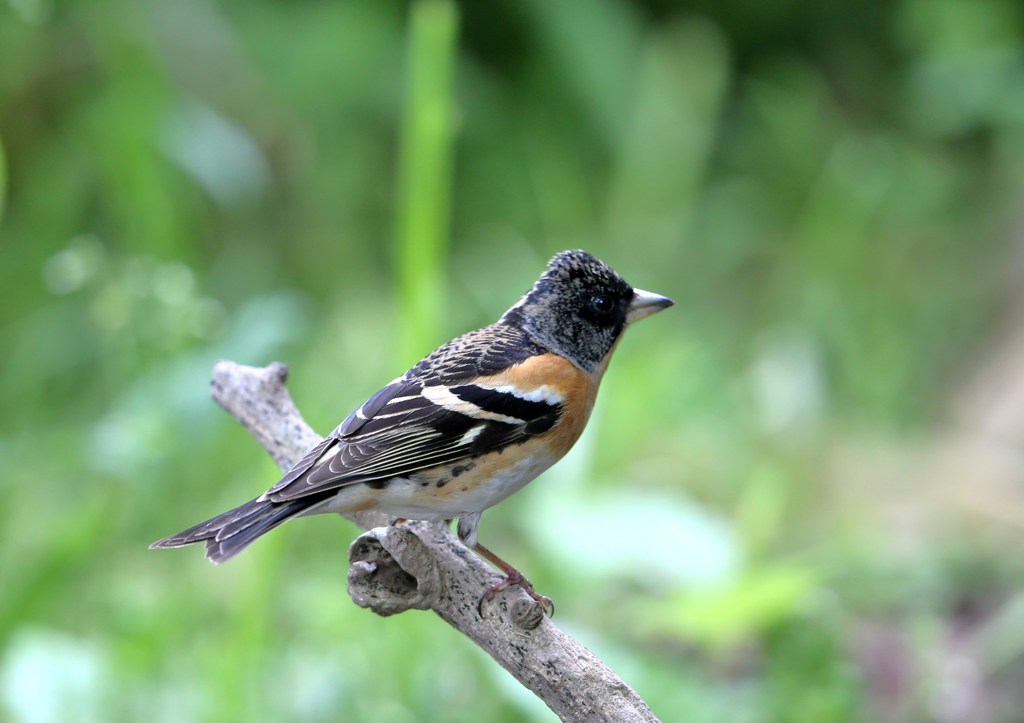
(602, 304)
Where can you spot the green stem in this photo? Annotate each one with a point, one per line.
(424, 174)
(3, 180)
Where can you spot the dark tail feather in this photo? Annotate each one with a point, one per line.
(228, 534)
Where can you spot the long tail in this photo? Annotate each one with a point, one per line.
(228, 534)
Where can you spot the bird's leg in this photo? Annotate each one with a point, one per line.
(512, 577)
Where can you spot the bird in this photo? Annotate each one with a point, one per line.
(468, 425)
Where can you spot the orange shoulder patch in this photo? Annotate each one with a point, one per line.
(550, 374)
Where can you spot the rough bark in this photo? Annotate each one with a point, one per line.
(423, 566)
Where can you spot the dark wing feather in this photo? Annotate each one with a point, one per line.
(303, 465)
(229, 533)
(407, 432)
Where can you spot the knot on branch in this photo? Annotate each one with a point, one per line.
(391, 571)
(527, 613)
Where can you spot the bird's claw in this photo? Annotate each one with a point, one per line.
(517, 579)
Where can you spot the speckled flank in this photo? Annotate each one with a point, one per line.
(492, 478)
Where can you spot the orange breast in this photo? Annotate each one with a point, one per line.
(577, 388)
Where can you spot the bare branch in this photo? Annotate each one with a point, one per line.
(423, 566)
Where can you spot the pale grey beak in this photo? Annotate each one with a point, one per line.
(644, 304)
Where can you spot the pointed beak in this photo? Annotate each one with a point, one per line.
(644, 304)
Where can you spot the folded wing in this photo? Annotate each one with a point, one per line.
(408, 427)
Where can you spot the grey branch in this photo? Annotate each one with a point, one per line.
(423, 566)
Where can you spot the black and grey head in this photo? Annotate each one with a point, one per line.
(579, 307)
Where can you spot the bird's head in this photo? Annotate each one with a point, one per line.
(579, 307)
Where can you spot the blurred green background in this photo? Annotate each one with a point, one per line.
(801, 497)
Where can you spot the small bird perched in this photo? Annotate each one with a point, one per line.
(467, 426)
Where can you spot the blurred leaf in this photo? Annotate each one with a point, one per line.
(220, 155)
(660, 538)
(47, 675)
(593, 45)
(62, 555)
(761, 509)
(723, 616)
(680, 85)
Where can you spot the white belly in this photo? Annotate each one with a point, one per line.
(420, 497)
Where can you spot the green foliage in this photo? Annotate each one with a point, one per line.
(751, 529)
(424, 196)
(723, 617)
(3, 180)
